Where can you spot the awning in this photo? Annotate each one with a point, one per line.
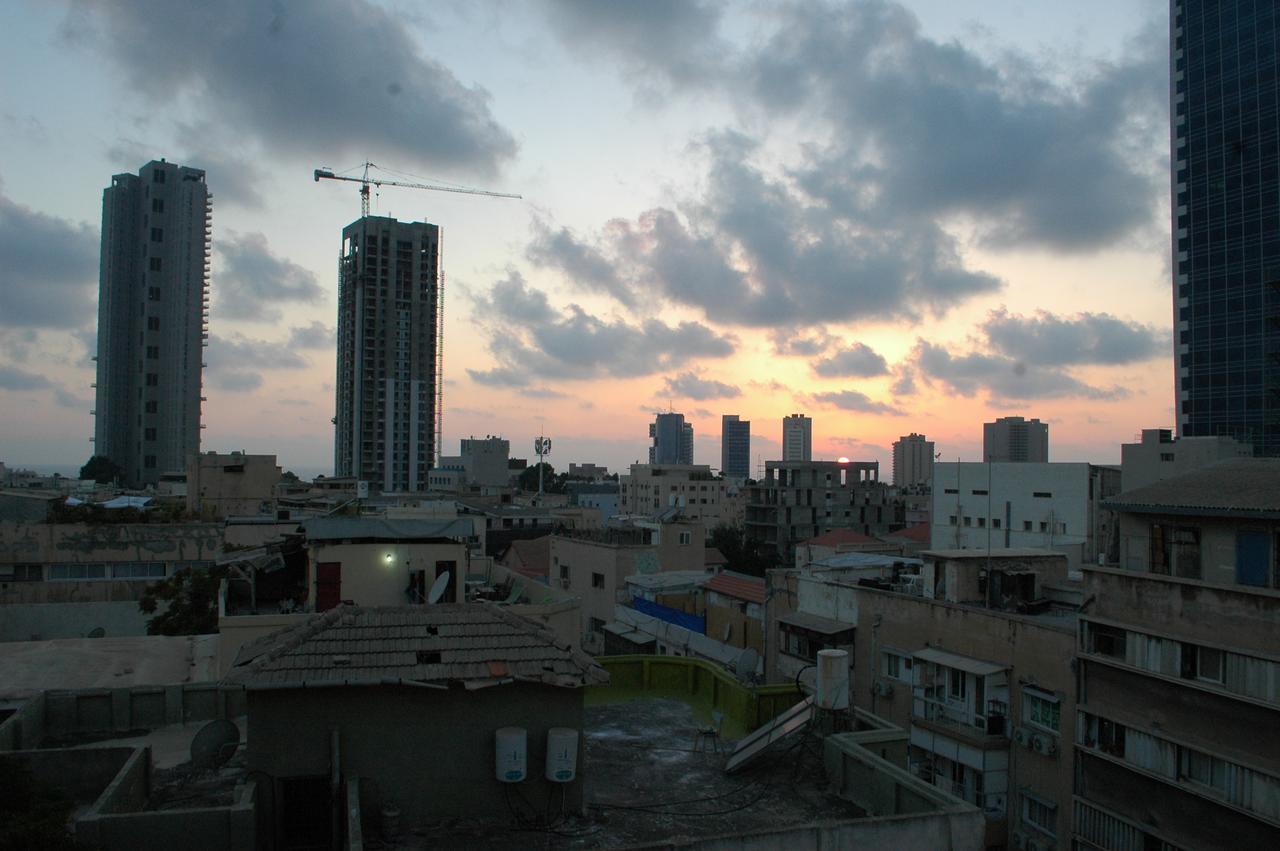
(955, 660)
(627, 633)
(815, 623)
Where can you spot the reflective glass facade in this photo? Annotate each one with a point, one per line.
(1226, 218)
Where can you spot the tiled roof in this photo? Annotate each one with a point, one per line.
(530, 557)
(842, 536)
(713, 557)
(1238, 486)
(382, 529)
(736, 585)
(919, 532)
(473, 643)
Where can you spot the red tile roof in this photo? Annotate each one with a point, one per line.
(919, 532)
(530, 557)
(739, 587)
(842, 536)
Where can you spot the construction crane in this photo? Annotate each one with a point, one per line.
(365, 182)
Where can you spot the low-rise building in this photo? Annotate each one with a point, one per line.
(735, 610)
(798, 500)
(1178, 733)
(1159, 455)
(221, 485)
(653, 489)
(1053, 506)
(838, 541)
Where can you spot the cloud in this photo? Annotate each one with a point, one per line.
(332, 80)
(856, 361)
(542, 393)
(12, 378)
(582, 264)
(236, 352)
(1004, 378)
(689, 385)
(790, 342)
(530, 340)
(48, 269)
(239, 381)
(853, 400)
(317, 335)
(67, 399)
(1086, 338)
(232, 175)
(252, 279)
(752, 251)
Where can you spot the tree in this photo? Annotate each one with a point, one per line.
(192, 596)
(742, 552)
(101, 469)
(290, 477)
(529, 478)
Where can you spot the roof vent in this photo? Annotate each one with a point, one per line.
(342, 660)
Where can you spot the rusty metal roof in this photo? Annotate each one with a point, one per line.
(469, 644)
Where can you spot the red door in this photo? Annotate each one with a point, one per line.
(328, 585)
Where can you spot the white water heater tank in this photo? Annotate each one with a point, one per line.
(833, 680)
(562, 754)
(511, 749)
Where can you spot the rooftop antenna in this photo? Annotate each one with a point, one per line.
(542, 447)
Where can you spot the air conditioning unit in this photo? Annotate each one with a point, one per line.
(882, 689)
(1040, 744)
(1051, 747)
(1022, 737)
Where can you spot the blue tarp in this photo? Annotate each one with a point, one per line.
(693, 623)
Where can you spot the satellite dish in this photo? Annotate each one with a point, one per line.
(97, 632)
(438, 589)
(214, 744)
(745, 664)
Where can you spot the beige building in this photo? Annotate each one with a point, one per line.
(1159, 455)
(735, 610)
(979, 673)
(1178, 733)
(653, 489)
(221, 485)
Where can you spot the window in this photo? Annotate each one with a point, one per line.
(1204, 770)
(153, 352)
(1042, 494)
(153, 293)
(153, 407)
(968, 521)
(1041, 709)
(76, 571)
(157, 235)
(153, 323)
(995, 522)
(138, 570)
(1166, 456)
(157, 204)
(1026, 525)
(1208, 663)
(564, 572)
(686, 538)
(597, 580)
(596, 625)
(979, 492)
(951, 521)
(153, 379)
(149, 434)
(950, 490)
(957, 684)
(1040, 813)
(157, 175)
(22, 573)
(154, 263)
(896, 665)
(1175, 551)
(982, 522)
(1106, 640)
(149, 461)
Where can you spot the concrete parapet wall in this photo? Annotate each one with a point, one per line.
(79, 773)
(229, 828)
(941, 831)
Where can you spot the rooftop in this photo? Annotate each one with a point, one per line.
(469, 643)
(530, 557)
(994, 552)
(836, 537)
(28, 667)
(1237, 486)
(382, 529)
(738, 586)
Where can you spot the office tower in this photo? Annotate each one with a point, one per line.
(388, 351)
(686, 443)
(912, 461)
(152, 315)
(1015, 439)
(797, 438)
(1226, 204)
(735, 447)
(668, 433)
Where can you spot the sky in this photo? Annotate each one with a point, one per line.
(894, 217)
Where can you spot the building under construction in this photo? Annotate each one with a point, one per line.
(389, 358)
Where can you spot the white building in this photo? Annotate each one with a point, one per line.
(1160, 456)
(797, 438)
(912, 460)
(1002, 505)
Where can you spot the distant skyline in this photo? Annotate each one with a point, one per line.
(890, 217)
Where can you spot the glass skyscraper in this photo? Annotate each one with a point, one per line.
(1226, 218)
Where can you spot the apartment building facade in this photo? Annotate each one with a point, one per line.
(798, 500)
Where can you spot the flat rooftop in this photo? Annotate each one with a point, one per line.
(29, 667)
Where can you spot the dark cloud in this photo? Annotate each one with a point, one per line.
(853, 400)
(251, 279)
(340, 80)
(12, 378)
(530, 340)
(317, 335)
(677, 40)
(904, 381)
(807, 343)
(689, 385)
(583, 264)
(232, 176)
(1002, 377)
(1086, 338)
(752, 251)
(48, 269)
(856, 361)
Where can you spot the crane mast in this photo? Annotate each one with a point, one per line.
(365, 182)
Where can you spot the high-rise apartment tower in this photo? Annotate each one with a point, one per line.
(735, 447)
(797, 438)
(1226, 219)
(1015, 439)
(672, 440)
(388, 346)
(153, 303)
(912, 461)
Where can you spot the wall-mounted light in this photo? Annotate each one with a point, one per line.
(388, 557)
